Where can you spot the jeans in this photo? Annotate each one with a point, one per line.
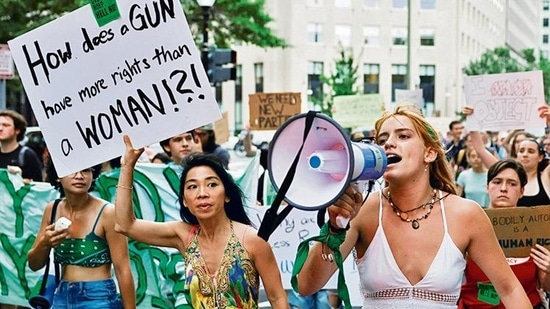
(318, 300)
(86, 295)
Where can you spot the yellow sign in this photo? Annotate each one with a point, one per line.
(362, 110)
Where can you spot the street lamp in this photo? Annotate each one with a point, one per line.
(205, 5)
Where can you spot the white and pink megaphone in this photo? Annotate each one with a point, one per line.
(328, 163)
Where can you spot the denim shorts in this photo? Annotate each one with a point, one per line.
(87, 294)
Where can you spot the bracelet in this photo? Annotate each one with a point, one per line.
(125, 187)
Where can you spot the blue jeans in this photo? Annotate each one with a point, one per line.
(318, 300)
(86, 295)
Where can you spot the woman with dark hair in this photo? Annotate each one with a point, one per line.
(531, 154)
(506, 180)
(85, 249)
(224, 258)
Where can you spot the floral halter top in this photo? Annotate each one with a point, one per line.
(234, 285)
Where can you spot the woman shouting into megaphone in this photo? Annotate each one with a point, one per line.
(410, 238)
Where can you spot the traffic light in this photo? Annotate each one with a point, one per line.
(221, 65)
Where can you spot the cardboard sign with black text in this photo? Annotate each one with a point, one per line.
(518, 229)
(268, 111)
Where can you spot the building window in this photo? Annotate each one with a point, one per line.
(314, 83)
(239, 98)
(314, 33)
(427, 4)
(398, 78)
(371, 4)
(427, 82)
(259, 76)
(371, 78)
(427, 37)
(342, 34)
(342, 3)
(371, 35)
(399, 4)
(545, 5)
(399, 36)
(545, 38)
(545, 22)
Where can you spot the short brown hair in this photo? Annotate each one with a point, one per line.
(19, 122)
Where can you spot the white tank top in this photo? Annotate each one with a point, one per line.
(384, 285)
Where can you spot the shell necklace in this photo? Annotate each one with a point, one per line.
(404, 215)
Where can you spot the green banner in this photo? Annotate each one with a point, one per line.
(156, 270)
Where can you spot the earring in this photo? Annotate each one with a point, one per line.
(426, 168)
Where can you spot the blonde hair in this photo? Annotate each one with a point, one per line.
(441, 176)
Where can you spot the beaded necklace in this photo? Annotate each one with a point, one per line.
(404, 215)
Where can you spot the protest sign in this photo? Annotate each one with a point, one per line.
(505, 101)
(139, 75)
(221, 129)
(268, 111)
(6, 62)
(360, 110)
(413, 96)
(518, 229)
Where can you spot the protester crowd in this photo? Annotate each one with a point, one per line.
(408, 238)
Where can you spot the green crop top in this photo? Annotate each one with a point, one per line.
(91, 251)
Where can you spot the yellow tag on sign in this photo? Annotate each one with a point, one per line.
(486, 293)
(105, 11)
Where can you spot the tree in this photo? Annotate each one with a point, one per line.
(230, 20)
(340, 82)
(500, 60)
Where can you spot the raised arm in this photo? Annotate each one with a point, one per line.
(149, 232)
(118, 246)
(484, 154)
(317, 270)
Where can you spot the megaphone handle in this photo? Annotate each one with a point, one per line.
(342, 222)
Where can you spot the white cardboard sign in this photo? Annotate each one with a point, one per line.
(88, 85)
(505, 101)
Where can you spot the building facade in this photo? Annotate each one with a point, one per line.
(395, 48)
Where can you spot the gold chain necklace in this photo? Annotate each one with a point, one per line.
(404, 215)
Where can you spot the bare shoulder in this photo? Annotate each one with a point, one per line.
(248, 236)
(461, 208)
(466, 220)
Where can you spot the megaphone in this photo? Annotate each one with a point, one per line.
(328, 163)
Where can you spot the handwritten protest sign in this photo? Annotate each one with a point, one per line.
(268, 111)
(414, 96)
(518, 229)
(505, 101)
(139, 75)
(352, 111)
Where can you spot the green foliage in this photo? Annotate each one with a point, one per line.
(230, 20)
(340, 82)
(499, 60)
